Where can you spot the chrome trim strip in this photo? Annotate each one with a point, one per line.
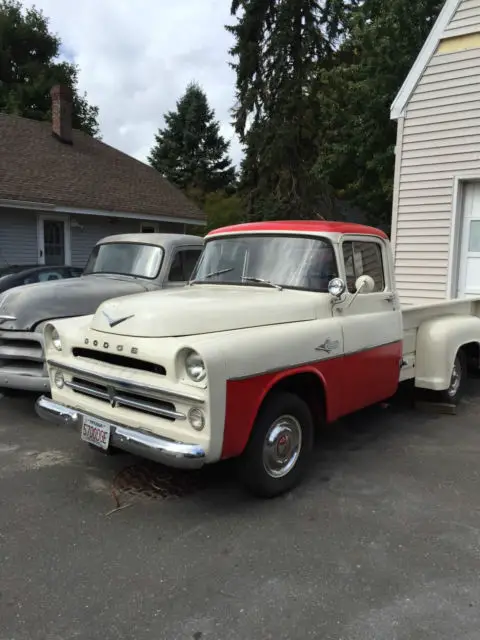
(6, 318)
(135, 441)
(117, 400)
(144, 389)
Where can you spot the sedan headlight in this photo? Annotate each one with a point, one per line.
(57, 343)
(52, 335)
(195, 367)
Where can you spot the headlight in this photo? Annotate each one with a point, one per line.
(52, 334)
(195, 367)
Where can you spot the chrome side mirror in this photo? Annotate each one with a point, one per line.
(365, 284)
(337, 287)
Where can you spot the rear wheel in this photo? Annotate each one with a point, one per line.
(455, 391)
(279, 448)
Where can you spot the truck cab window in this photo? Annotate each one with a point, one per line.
(363, 259)
(183, 264)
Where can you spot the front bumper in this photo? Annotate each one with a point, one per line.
(167, 452)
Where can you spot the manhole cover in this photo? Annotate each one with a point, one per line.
(153, 481)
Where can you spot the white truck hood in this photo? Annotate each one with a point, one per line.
(202, 309)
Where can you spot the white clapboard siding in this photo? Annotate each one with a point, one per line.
(465, 20)
(440, 140)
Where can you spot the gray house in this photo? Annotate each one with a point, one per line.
(436, 210)
(61, 191)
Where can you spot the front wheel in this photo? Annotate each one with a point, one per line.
(278, 452)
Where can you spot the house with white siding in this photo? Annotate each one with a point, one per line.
(436, 208)
(62, 190)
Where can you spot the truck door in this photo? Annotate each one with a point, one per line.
(371, 324)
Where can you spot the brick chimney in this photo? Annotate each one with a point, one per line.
(62, 113)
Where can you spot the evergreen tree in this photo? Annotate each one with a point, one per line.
(356, 138)
(189, 151)
(279, 46)
(29, 67)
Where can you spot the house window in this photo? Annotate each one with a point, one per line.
(149, 227)
(363, 259)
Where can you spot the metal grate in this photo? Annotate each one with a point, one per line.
(155, 482)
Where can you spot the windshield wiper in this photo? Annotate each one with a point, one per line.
(262, 281)
(212, 275)
(218, 273)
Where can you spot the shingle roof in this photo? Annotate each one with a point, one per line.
(89, 174)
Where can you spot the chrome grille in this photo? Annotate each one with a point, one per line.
(119, 398)
(22, 356)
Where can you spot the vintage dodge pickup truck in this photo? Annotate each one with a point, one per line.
(118, 266)
(285, 325)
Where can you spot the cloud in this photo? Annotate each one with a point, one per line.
(136, 59)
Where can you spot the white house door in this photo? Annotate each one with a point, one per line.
(469, 256)
(53, 241)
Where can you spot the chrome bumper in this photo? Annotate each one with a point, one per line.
(139, 443)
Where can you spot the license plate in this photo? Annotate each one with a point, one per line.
(96, 432)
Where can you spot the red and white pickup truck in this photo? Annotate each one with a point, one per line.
(285, 325)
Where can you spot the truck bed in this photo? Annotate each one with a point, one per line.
(414, 316)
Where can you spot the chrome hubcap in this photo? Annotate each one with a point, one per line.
(282, 446)
(455, 379)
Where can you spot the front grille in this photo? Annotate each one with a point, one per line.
(118, 360)
(117, 397)
(20, 356)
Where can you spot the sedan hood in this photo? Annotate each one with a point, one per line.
(32, 303)
(202, 309)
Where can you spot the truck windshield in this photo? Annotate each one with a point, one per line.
(291, 262)
(125, 258)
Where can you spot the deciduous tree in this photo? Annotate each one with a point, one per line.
(30, 66)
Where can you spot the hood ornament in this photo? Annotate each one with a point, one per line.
(114, 323)
(7, 318)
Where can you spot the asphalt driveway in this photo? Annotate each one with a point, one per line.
(381, 542)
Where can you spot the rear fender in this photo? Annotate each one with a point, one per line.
(438, 342)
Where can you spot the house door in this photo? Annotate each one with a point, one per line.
(469, 255)
(53, 241)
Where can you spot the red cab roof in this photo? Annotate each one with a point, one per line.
(301, 226)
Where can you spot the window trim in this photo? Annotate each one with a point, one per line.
(387, 280)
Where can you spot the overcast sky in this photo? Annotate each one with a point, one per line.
(136, 58)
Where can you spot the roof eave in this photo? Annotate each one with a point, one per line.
(78, 211)
(400, 103)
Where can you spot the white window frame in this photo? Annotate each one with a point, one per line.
(41, 237)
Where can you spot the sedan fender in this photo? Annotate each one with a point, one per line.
(438, 342)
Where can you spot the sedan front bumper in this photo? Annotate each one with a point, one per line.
(147, 445)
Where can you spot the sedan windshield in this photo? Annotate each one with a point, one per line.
(125, 258)
(291, 262)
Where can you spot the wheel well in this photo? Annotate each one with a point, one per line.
(472, 354)
(307, 386)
